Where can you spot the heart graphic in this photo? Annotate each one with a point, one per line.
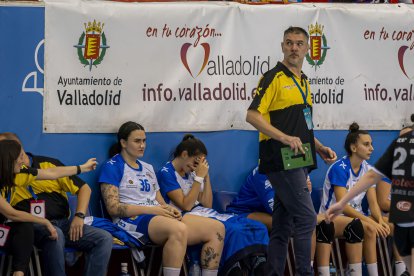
(408, 67)
(184, 60)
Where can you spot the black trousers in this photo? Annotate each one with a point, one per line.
(19, 244)
(293, 213)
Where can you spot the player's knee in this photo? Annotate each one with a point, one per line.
(354, 231)
(180, 232)
(325, 232)
(218, 227)
(216, 231)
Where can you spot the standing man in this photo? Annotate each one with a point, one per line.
(282, 111)
(95, 243)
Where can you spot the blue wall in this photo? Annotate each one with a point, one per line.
(232, 154)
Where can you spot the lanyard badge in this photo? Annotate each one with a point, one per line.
(307, 113)
(38, 208)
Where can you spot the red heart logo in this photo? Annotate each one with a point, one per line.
(184, 60)
(408, 67)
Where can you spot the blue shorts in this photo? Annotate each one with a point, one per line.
(138, 224)
(244, 215)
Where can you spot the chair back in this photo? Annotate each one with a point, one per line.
(221, 199)
(104, 212)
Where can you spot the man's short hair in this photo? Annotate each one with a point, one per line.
(9, 136)
(296, 30)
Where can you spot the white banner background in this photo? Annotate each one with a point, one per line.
(362, 77)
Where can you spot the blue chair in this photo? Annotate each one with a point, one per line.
(221, 199)
(136, 269)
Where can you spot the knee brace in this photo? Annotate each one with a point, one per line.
(325, 232)
(354, 231)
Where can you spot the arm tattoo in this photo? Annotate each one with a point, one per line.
(209, 256)
(110, 196)
(219, 237)
(122, 210)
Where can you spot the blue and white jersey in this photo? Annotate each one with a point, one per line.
(170, 180)
(255, 195)
(341, 174)
(136, 186)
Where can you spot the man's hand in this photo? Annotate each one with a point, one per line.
(327, 154)
(76, 229)
(293, 142)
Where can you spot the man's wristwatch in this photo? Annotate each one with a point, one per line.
(80, 215)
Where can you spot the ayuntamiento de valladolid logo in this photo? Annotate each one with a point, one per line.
(92, 45)
(318, 45)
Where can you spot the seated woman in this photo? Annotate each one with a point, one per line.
(19, 241)
(341, 177)
(255, 199)
(131, 194)
(185, 181)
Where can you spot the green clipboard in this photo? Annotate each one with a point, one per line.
(299, 160)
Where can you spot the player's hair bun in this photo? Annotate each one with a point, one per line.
(354, 127)
(188, 137)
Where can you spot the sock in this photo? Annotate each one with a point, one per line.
(323, 270)
(399, 268)
(209, 272)
(312, 264)
(171, 271)
(372, 269)
(355, 269)
(407, 262)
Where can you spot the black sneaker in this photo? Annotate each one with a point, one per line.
(236, 270)
(259, 266)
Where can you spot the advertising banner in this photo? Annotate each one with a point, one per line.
(194, 66)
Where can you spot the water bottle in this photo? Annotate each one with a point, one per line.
(332, 270)
(124, 269)
(195, 269)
